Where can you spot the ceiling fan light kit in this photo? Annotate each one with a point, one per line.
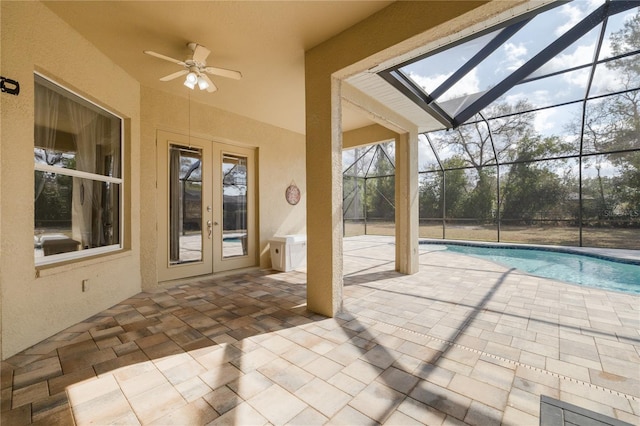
(202, 83)
(196, 69)
(191, 80)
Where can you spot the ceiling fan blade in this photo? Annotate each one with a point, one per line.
(236, 75)
(212, 87)
(174, 75)
(200, 54)
(166, 58)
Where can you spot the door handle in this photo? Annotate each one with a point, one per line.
(209, 228)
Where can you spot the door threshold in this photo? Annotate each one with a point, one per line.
(187, 280)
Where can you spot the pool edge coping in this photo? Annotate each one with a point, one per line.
(584, 251)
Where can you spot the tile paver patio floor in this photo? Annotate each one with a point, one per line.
(462, 341)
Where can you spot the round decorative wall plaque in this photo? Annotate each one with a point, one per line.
(292, 194)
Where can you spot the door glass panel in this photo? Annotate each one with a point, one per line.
(185, 205)
(234, 206)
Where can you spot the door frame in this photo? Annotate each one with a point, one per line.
(212, 196)
(166, 270)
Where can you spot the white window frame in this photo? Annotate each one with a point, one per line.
(73, 255)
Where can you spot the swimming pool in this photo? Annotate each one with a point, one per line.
(558, 265)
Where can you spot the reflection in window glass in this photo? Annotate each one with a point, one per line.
(72, 133)
(74, 214)
(77, 157)
(185, 205)
(234, 206)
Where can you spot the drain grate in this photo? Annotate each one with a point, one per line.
(554, 412)
(505, 360)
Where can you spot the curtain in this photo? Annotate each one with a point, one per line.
(47, 104)
(175, 204)
(88, 133)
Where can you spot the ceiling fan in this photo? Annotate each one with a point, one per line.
(196, 69)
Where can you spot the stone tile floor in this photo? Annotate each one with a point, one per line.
(464, 341)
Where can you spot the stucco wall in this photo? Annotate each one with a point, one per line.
(33, 308)
(280, 160)
(376, 41)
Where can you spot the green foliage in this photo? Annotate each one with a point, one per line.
(430, 195)
(53, 199)
(531, 192)
(481, 200)
(455, 188)
(538, 174)
(380, 202)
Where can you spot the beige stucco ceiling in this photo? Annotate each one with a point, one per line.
(265, 40)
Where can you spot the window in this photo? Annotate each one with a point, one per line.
(78, 176)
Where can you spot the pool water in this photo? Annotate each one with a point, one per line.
(574, 268)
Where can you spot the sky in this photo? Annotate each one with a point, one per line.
(525, 44)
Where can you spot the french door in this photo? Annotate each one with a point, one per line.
(206, 207)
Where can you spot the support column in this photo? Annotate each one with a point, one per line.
(324, 192)
(382, 36)
(407, 202)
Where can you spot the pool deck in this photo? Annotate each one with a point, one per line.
(464, 341)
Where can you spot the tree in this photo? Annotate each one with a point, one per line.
(472, 142)
(531, 192)
(380, 184)
(474, 147)
(430, 187)
(455, 188)
(531, 188)
(626, 110)
(612, 124)
(481, 200)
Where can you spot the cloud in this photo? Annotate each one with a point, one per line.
(428, 83)
(583, 54)
(536, 97)
(515, 54)
(546, 121)
(573, 13)
(605, 78)
(466, 85)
